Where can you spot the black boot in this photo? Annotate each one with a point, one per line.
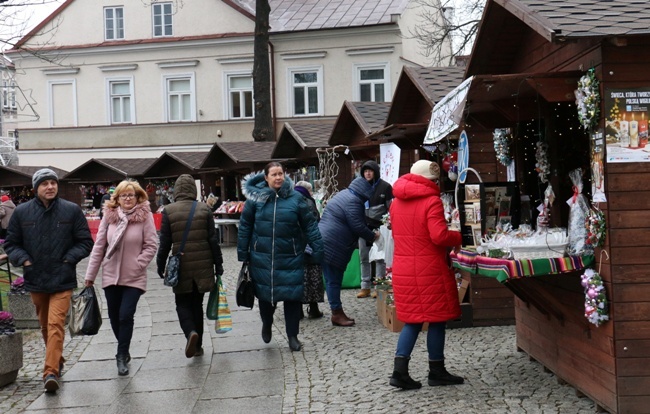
(266, 333)
(438, 375)
(294, 344)
(313, 311)
(122, 368)
(401, 378)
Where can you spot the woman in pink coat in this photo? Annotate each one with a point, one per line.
(423, 284)
(126, 243)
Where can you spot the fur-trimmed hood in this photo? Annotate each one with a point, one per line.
(140, 215)
(255, 188)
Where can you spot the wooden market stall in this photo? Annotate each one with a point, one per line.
(16, 181)
(527, 62)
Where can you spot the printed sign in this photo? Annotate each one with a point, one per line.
(447, 113)
(389, 154)
(626, 124)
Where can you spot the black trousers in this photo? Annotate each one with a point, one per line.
(122, 302)
(189, 308)
(292, 312)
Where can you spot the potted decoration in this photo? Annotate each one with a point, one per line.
(21, 306)
(11, 349)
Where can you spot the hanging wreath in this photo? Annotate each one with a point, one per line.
(542, 166)
(596, 309)
(596, 228)
(502, 146)
(588, 99)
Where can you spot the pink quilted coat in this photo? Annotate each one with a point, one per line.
(424, 286)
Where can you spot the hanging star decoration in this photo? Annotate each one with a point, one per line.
(588, 100)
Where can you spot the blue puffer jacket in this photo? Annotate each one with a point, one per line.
(274, 230)
(53, 238)
(344, 222)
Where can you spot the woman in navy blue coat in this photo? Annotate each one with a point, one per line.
(342, 224)
(274, 229)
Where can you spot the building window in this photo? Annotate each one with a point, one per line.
(114, 23)
(240, 95)
(8, 95)
(162, 20)
(373, 84)
(120, 92)
(306, 91)
(180, 98)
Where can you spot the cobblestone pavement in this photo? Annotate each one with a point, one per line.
(339, 370)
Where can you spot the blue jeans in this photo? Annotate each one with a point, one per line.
(435, 340)
(333, 280)
(122, 302)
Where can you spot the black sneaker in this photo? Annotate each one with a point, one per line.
(51, 383)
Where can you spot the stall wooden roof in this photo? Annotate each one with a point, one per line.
(238, 157)
(508, 25)
(173, 164)
(109, 170)
(356, 121)
(21, 175)
(300, 140)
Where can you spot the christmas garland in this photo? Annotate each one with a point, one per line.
(542, 166)
(596, 228)
(588, 99)
(501, 146)
(596, 309)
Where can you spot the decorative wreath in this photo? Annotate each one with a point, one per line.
(501, 146)
(588, 99)
(542, 166)
(596, 309)
(596, 228)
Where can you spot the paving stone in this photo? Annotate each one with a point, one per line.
(244, 405)
(243, 384)
(246, 361)
(180, 401)
(165, 379)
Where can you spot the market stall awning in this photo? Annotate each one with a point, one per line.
(21, 175)
(495, 101)
(300, 140)
(239, 157)
(173, 164)
(109, 170)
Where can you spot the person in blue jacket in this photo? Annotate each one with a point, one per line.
(342, 224)
(275, 227)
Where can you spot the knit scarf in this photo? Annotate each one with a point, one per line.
(114, 245)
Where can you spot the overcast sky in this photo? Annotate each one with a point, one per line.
(18, 17)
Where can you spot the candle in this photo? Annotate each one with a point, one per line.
(643, 131)
(624, 132)
(634, 133)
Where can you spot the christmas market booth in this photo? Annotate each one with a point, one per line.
(94, 178)
(17, 182)
(232, 161)
(551, 132)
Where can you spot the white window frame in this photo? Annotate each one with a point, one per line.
(319, 85)
(115, 25)
(162, 19)
(50, 104)
(109, 99)
(180, 76)
(227, 103)
(357, 68)
(5, 94)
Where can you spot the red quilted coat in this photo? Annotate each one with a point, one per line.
(424, 286)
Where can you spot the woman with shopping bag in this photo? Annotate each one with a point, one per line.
(126, 243)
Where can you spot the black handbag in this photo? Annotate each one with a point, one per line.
(173, 268)
(245, 294)
(85, 314)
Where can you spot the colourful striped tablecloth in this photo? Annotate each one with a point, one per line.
(503, 270)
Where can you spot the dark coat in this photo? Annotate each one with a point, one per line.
(343, 223)
(201, 257)
(54, 239)
(424, 286)
(382, 193)
(274, 230)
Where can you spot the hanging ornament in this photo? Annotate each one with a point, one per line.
(596, 309)
(542, 166)
(502, 145)
(596, 227)
(446, 164)
(588, 99)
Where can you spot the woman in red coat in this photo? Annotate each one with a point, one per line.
(424, 286)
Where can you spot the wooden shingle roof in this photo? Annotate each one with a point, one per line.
(173, 164)
(110, 169)
(300, 140)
